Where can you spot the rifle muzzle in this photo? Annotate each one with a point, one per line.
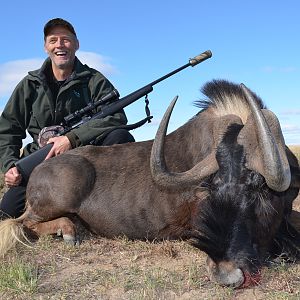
(200, 58)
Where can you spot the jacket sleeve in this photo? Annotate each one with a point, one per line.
(99, 86)
(13, 128)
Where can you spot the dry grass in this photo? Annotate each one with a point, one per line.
(122, 269)
(296, 150)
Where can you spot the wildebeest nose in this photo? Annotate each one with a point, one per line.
(225, 273)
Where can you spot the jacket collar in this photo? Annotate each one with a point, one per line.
(79, 71)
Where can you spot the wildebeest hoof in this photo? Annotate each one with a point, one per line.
(70, 240)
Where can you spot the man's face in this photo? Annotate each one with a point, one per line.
(61, 45)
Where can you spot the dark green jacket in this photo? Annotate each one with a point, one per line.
(32, 107)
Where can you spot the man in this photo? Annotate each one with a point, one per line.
(43, 98)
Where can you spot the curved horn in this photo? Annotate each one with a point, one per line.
(276, 169)
(158, 167)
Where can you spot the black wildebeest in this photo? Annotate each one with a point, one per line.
(225, 181)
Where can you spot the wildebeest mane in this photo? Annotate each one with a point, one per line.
(212, 235)
(225, 97)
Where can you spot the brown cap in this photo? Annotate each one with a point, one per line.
(57, 22)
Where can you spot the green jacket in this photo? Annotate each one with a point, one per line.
(31, 107)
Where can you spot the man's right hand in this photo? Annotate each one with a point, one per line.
(12, 177)
(61, 144)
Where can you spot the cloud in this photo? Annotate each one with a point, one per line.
(290, 128)
(270, 69)
(291, 133)
(290, 112)
(97, 61)
(13, 71)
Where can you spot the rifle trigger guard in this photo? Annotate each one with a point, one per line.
(148, 114)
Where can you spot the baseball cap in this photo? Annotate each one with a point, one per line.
(57, 22)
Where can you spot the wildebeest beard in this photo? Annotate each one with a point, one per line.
(237, 219)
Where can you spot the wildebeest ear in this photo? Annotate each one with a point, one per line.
(256, 160)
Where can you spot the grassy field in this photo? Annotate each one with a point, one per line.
(102, 268)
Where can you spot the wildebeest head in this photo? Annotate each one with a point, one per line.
(250, 180)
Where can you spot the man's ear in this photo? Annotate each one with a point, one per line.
(77, 44)
(45, 49)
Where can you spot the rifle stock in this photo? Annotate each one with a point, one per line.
(26, 164)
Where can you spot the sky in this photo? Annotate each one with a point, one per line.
(134, 42)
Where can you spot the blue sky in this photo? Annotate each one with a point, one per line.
(135, 42)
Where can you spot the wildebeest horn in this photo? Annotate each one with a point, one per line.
(158, 165)
(275, 169)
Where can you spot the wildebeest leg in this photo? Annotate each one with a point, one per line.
(62, 226)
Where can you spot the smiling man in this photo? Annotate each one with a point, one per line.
(43, 98)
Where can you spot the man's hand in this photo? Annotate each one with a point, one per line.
(12, 177)
(61, 144)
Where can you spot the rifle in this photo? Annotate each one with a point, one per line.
(26, 165)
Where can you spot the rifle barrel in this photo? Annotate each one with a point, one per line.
(192, 62)
(123, 102)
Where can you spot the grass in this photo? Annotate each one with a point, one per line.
(18, 277)
(109, 269)
(296, 150)
(120, 269)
